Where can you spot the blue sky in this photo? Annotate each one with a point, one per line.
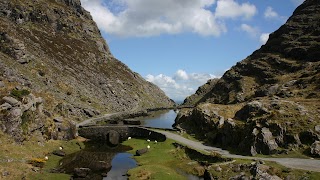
(180, 44)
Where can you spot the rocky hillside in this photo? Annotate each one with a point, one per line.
(200, 95)
(53, 50)
(269, 101)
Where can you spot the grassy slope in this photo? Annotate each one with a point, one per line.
(14, 158)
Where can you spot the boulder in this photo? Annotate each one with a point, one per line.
(258, 169)
(81, 172)
(2, 84)
(5, 106)
(251, 110)
(141, 151)
(58, 119)
(59, 153)
(266, 142)
(315, 149)
(10, 100)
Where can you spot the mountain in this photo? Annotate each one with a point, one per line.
(56, 68)
(271, 99)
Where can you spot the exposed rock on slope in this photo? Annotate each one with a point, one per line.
(272, 96)
(54, 49)
(200, 94)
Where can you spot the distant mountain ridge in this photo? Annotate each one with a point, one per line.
(271, 99)
(53, 49)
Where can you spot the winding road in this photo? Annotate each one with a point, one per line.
(295, 163)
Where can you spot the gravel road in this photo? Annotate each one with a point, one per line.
(295, 163)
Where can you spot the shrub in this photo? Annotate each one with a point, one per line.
(19, 93)
(37, 162)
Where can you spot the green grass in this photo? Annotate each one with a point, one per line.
(160, 162)
(19, 155)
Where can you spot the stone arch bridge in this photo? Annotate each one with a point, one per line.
(114, 134)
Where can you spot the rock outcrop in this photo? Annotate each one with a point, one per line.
(270, 100)
(55, 50)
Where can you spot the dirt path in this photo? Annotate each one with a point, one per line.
(296, 163)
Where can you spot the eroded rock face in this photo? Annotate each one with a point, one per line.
(54, 49)
(24, 117)
(272, 96)
(315, 149)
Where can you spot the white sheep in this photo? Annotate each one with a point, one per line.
(60, 147)
(148, 147)
(46, 158)
(129, 138)
(148, 140)
(155, 141)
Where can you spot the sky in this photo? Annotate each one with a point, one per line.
(180, 44)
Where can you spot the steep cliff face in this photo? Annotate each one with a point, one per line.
(272, 95)
(53, 49)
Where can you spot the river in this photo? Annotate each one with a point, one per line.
(159, 119)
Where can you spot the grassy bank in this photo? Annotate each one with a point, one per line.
(15, 159)
(162, 161)
(166, 161)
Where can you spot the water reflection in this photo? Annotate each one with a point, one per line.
(121, 163)
(100, 159)
(160, 119)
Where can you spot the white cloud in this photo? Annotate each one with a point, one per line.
(270, 13)
(181, 75)
(231, 9)
(181, 84)
(145, 18)
(264, 38)
(154, 17)
(252, 31)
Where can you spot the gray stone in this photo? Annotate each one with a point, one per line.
(141, 151)
(17, 112)
(258, 169)
(5, 173)
(269, 144)
(253, 151)
(2, 84)
(218, 169)
(250, 110)
(58, 119)
(12, 101)
(59, 153)
(5, 106)
(315, 149)
(317, 129)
